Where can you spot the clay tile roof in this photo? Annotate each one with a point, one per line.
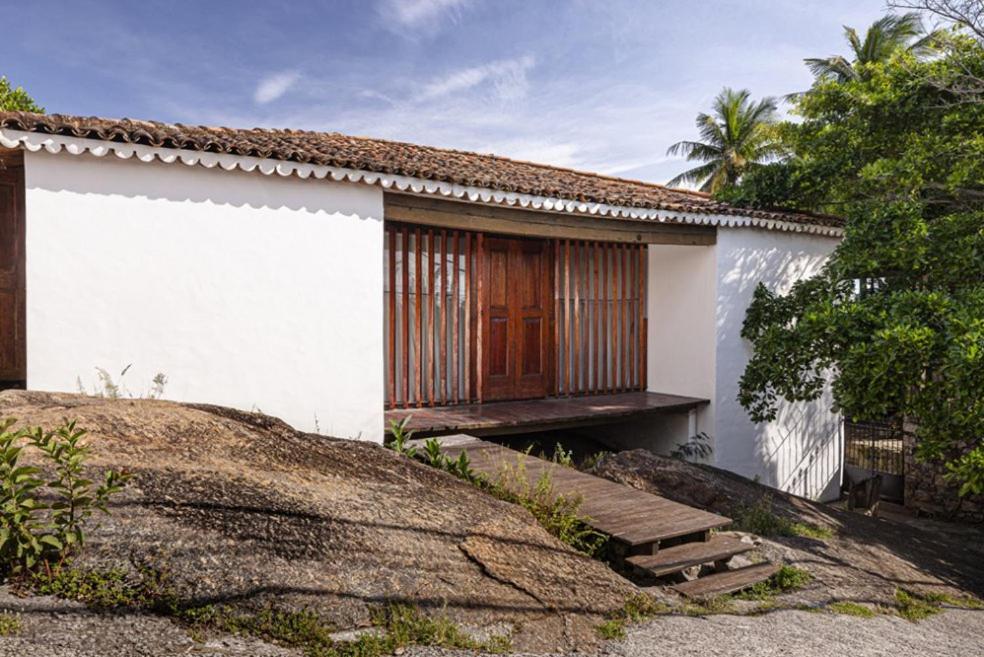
(391, 157)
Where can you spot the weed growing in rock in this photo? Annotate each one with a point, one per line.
(10, 623)
(851, 609)
(396, 626)
(760, 519)
(914, 606)
(558, 514)
(787, 578)
(638, 608)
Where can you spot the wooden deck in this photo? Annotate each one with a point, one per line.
(630, 516)
(501, 418)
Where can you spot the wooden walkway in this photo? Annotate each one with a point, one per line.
(651, 534)
(631, 516)
(501, 418)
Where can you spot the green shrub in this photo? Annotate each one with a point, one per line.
(31, 530)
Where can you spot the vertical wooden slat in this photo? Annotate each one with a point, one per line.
(596, 315)
(604, 318)
(480, 294)
(558, 318)
(442, 379)
(405, 319)
(625, 318)
(468, 342)
(431, 366)
(418, 333)
(641, 344)
(576, 344)
(455, 375)
(567, 321)
(392, 318)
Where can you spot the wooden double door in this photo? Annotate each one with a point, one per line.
(517, 288)
(13, 351)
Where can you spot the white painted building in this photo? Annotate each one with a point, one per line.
(325, 279)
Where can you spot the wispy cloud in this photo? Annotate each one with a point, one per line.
(507, 77)
(416, 14)
(274, 86)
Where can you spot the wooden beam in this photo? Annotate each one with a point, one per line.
(531, 223)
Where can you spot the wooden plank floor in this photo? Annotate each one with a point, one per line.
(500, 418)
(629, 515)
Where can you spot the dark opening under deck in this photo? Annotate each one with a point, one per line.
(500, 418)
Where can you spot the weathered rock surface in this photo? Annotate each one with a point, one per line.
(241, 509)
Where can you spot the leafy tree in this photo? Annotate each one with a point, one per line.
(886, 35)
(12, 99)
(897, 315)
(736, 137)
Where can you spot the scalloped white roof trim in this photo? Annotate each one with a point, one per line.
(34, 142)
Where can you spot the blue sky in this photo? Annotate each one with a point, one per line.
(599, 85)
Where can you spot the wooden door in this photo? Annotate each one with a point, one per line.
(13, 345)
(518, 289)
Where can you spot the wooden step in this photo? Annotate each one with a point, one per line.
(676, 558)
(728, 581)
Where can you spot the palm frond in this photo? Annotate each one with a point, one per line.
(694, 150)
(696, 175)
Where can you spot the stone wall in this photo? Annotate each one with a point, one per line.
(928, 492)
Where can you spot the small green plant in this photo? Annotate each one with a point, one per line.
(103, 589)
(787, 578)
(760, 519)
(563, 457)
(945, 599)
(851, 609)
(32, 530)
(434, 454)
(914, 606)
(637, 608)
(400, 436)
(613, 628)
(10, 623)
(723, 604)
(696, 447)
(593, 460)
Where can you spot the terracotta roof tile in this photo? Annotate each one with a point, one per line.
(391, 157)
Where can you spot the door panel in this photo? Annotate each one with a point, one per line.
(518, 286)
(13, 355)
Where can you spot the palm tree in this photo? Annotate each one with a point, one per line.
(736, 135)
(883, 37)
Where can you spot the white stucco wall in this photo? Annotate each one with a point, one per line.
(252, 291)
(800, 451)
(680, 307)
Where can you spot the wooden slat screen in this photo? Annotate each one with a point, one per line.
(433, 302)
(600, 317)
(429, 316)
